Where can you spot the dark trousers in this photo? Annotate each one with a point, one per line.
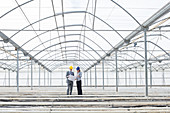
(79, 89)
(69, 87)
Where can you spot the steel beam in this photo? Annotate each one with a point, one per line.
(31, 75)
(146, 63)
(4, 37)
(44, 77)
(94, 14)
(50, 78)
(103, 71)
(84, 78)
(150, 75)
(136, 76)
(126, 77)
(56, 60)
(95, 78)
(28, 76)
(116, 71)
(39, 75)
(129, 77)
(9, 78)
(164, 10)
(87, 78)
(17, 70)
(62, 77)
(163, 76)
(107, 77)
(90, 78)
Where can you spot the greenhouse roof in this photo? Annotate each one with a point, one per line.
(55, 33)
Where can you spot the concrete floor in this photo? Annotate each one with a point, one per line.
(123, 91)
(95, 100)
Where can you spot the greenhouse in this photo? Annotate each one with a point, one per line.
(117, 51)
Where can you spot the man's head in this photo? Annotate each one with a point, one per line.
(71, 67)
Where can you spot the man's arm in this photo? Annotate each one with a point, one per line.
(67, 75)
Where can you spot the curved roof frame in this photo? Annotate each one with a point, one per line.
(130, 57)
(15, 8)
(165, 64)
(164, 10)
(143, 49)
(68, 42)
(139, 55)
(82, 66)
(148, 52)
(6, 66)
(73, 25)
(71, 51)
(128, 61)
(132, 51)
(83, 42)
(113, 65)
(66, 35)
(68, 56)
(156, 46)
(72, 55)
(95, 17)
(119, 51)
(127, 12)
(71, 12)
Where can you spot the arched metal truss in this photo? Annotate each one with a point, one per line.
(94, 50)
(72, 12)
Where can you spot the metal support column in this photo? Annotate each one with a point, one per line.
(31, 76)
(9, 78)
(103, 71)
(87, 78)
(146, 63)
(84, 78)
(126, 77)
(28, 70)
(5, 78)
(129, 77)
(107, 77)
(44, 77)
(116, 71)
(95, 77)
(39, 75)
(90, 78)
(163, 76)
(62, 77)
(17, 70)
(150, 75)
(50, 78)
(136, 76)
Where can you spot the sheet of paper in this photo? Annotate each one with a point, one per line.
(71, 77)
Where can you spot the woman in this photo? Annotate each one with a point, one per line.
(78, 78)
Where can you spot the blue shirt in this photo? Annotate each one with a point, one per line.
(80, 75)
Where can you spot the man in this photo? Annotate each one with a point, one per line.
(69, 82)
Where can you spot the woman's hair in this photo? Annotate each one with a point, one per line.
(79, 70)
